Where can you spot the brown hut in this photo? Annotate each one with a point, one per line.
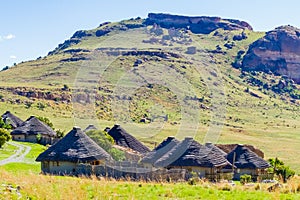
(194, 157)
(33, 130)
(164, 147)
(73, 149)
(11, 119)
(247, 162)
(124, 139)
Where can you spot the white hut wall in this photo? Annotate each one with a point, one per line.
(58, 167)
(20, 138)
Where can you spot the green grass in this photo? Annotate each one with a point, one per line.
(36, 149)
(22, 168)
(7, 150)
(269, 123)
(35, 186)
(29, 165)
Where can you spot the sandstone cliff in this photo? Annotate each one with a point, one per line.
(204, 25)
(277, 52)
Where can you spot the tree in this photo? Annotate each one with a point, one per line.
(60, 133)
(280, 169)
(4, 125)
(105, 141)
(4, 136)
(46, 121)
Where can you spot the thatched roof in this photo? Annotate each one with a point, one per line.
(76, 147)
(90, 127)
(229, 147)
(11, 119)
(191, 153)
(245, 158)
(163, 148)
(33, 126)
(122, 138)
(215, 149)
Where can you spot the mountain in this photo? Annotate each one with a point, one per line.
(277, 52)
(160, 76)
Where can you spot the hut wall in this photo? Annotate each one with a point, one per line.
(201, 171)
(45, 139)
(31, 138)
(240, 172)
(59, 167)
(20, 138)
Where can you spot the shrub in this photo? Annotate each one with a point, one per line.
(46, 121)
(104, 140)
(280, 169)
(4, 125)
(245, 178)
(4, 136)
(60, 133)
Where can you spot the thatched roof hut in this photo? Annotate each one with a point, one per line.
(243, 158)
(122, 138)
(75, 147)
(33, 126)
(90, 127)
(215, 149)
(190, 153)
(11, 119)
(229, 147)
(159, 151)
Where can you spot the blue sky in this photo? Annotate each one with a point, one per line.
(31, 28)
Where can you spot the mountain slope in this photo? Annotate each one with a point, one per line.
(184, 83)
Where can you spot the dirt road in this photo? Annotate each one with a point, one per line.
(19, 155)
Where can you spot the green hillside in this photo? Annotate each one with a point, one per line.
(127, 72)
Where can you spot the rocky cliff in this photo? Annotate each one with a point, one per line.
(277, 52)
(204, 25)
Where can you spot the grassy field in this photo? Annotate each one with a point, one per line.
(35, 186)
(223, 113)
(28, 165)
(6, 151)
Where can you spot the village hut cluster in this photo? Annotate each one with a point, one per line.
(77, 154)
(31, 130)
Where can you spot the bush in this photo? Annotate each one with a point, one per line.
(60, 133)
(4, 136)
(105, 141)
(281, 170)
(245, 178)
(46, 121)
(117, 154)
(4, 125)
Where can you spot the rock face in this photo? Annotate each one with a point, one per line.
(204, 25)
(277, 52)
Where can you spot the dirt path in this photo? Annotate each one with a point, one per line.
(19, 155)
